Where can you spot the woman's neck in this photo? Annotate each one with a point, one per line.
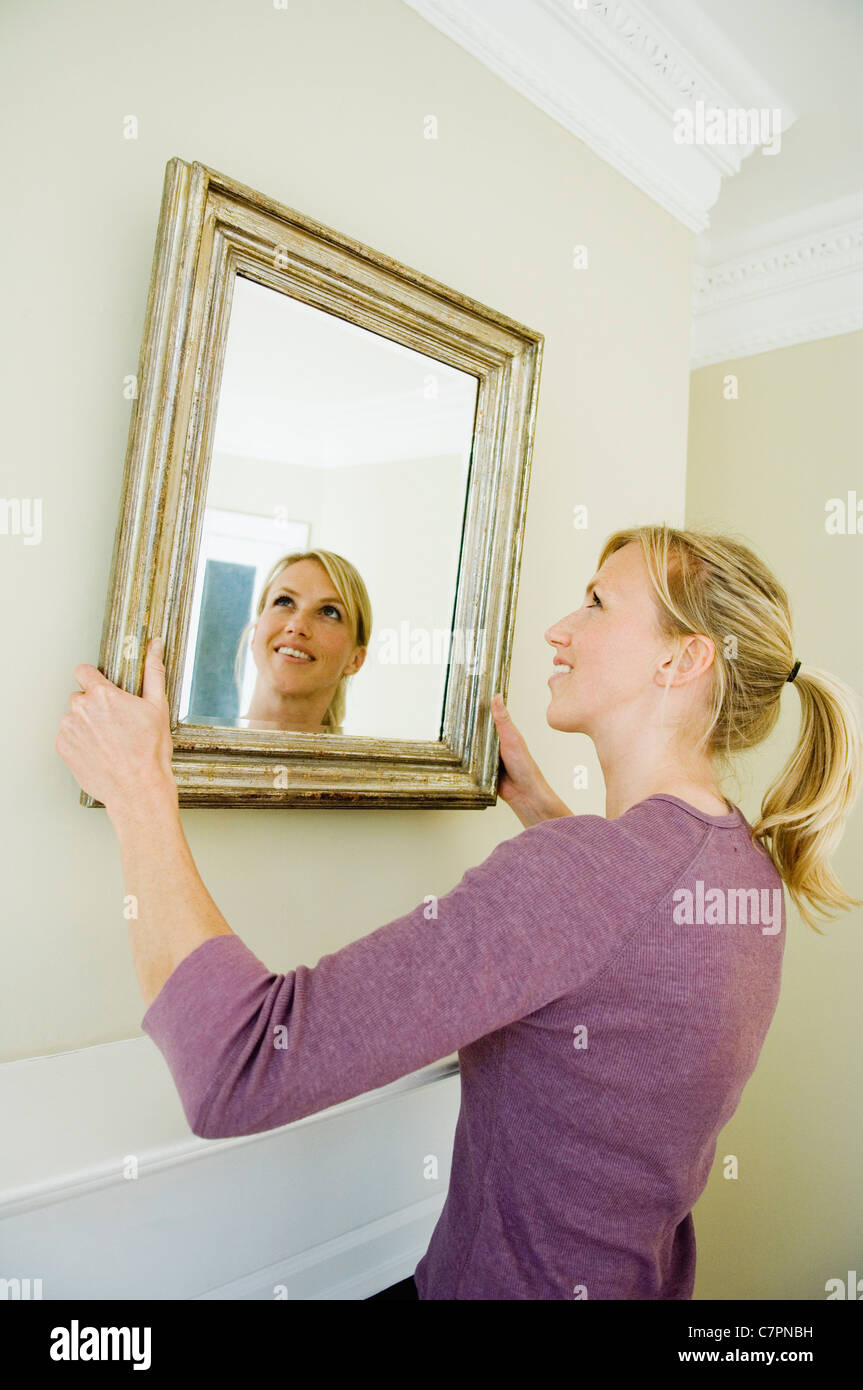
(301, 713)
(704, 795)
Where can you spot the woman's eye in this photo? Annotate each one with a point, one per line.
(327, 608)
(596, 596)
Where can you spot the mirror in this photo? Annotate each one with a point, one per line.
(327, 437)
(322, 511)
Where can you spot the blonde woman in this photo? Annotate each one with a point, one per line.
(608, 982)
(310, 634)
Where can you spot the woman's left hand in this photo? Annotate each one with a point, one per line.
(116, 743)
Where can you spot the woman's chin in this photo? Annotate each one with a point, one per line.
(560, 719)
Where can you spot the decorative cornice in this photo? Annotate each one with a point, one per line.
(794, 262)
(799, 278)
(803, 330)
(654, 61)
(613, 75)
(640, 43)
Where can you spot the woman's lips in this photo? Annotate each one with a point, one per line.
(299, 660)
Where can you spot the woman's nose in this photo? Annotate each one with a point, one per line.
(295, 622)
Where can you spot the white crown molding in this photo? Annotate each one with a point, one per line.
(614, 75)
(789, 290)
(710, 249)
(788, 263)
(660, 65)
(806, 329)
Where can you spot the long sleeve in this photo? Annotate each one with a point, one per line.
(250, 1049)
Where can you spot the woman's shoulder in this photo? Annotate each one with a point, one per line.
(654, 838)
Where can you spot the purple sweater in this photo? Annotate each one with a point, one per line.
(607, 984)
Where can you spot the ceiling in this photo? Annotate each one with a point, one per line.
(814, 53)
(778, 244)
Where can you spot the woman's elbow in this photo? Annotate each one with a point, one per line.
(224, 1121)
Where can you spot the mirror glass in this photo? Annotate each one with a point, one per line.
(329, 438)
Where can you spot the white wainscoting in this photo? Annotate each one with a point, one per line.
(334, 1206)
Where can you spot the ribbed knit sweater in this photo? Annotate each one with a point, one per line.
(607, 984)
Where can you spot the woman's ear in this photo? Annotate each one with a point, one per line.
(356, 661)
(696, 655)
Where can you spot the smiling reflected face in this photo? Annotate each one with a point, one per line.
(608, 649)
(303, 644)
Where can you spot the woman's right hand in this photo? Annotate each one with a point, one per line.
(520, 783)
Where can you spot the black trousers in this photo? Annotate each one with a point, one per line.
(405, 1288)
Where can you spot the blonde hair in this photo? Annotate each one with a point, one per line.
(351, 590)
(713, 584)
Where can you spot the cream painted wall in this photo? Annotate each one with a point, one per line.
(321, 106)
(764, 466)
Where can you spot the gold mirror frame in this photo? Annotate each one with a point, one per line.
(210, 228)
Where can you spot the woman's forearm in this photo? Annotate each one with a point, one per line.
(168, 909)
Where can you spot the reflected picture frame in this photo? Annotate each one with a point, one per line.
(212, 228)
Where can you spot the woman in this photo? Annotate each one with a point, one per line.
(607, 981)
(309, 636)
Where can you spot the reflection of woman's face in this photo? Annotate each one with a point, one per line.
(302, 645)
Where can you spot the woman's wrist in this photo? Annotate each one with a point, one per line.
(553, 808)
(547, 806)
(149, 802)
